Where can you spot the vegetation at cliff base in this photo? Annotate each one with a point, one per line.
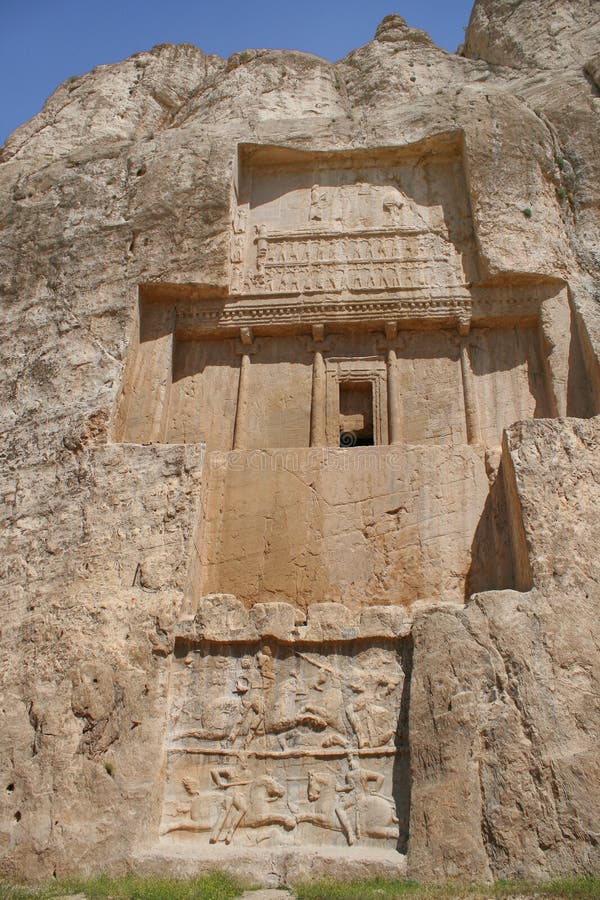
(212, 886)
(219, 886)
(380, 889)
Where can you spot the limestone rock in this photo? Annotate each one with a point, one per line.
(511, 687)
(300, 396)
(393, 29)
(513, 33)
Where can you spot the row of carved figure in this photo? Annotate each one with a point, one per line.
(395, 247)
(352, 804)
(298, 279)
(332, 249)
(289, 708)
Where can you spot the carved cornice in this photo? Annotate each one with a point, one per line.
(443, 310)
(365, 233)
(386, 309)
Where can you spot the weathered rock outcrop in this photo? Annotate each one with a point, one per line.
(513, 33)
(504, 694)
(119, 199)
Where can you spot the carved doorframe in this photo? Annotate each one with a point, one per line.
(370, 369)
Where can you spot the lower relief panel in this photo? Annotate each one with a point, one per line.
(285, 745)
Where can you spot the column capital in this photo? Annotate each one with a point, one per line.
(391, 331)
(246, 335)
(464, 323)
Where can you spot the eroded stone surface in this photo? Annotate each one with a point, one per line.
(276, 252)
(504, 711)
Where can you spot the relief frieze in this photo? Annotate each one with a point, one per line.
(338, 229)
(285, 744)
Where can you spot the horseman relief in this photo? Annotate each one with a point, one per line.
(292, 744)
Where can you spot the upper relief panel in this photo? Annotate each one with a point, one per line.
(375, 221)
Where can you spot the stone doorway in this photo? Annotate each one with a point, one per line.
(356, 414)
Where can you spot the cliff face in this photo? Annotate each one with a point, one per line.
(119, 194)
(512, 33)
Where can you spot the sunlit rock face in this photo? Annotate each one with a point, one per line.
(301, 461)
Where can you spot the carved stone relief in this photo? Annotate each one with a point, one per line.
(349, 227)
(283, 744)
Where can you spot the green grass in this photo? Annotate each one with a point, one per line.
(216, 886)
(564, 889)
(213, 886)
(583, 888)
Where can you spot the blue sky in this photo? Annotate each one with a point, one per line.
(42, 42)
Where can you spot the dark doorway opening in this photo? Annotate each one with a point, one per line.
(356, 414)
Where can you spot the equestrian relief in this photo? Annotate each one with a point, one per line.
(286, 743)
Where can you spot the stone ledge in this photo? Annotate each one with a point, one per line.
(277, 867)
(223, 618)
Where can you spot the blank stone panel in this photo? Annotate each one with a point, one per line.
(431, 395)
(509, 379)
(279, 394)
(361, 526)
(140, 415)
(203, 393)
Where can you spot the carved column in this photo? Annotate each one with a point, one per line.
(240, 424)
(393, 397)
(318, 400)
(470, 399)
(393, 387)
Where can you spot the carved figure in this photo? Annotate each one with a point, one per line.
(373, 724)
(278, 253)
(264, 658)
(235, 802)
(318, 201)
(262, 247)
(281, 715)
(375, 813)
(254, 686)
(239, 220)
(251, 801)
(215, 718)
(327, 810)
(393, 206)
(236, 280)
(325, 709)
(277, 281)
(237, 248)
(198, 816)
(252, 719)
(318, 281)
